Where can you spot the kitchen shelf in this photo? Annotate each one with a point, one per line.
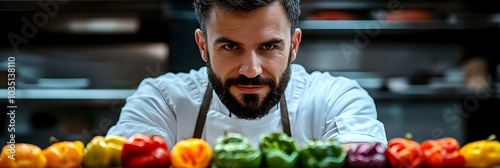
(86, 5)
(307, 5)
(126, 21)
(387, 95)
(113, 94)
(64, 94)
(105, 94)
(391, 25)
(371, 4)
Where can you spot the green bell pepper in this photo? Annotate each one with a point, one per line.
(322, 153)
(279, 150)
(234, 150)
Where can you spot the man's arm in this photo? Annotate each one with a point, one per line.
(351, 116)
(146, 112)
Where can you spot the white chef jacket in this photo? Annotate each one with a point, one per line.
(320, 106)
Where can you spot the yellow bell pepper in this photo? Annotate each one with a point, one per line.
(104, 151)
(22, 155)
(482, 153)
(65, 154)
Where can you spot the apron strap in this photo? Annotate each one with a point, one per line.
(202, 114)
(285, 121)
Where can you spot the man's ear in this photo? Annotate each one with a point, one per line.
(200, 41)
(296, 37)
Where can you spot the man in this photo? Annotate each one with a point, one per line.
(248, 47)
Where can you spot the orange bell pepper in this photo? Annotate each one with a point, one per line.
(404, 152)
(443, 152)
(191, 153)
(64, 154)
(22, 155)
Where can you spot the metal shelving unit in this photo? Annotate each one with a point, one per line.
(379, 4)
(395, 25)
(74, 94)
(85, 5)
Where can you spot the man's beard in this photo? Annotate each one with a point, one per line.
(252, 107)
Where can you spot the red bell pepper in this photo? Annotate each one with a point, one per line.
(404, 152)
(443, 152)
(143, 151)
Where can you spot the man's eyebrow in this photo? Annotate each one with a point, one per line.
(272, 41)
(226, 40)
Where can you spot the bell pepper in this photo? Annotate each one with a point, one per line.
(482, 153)
(143, 151)
(103, 151)
(323, 154)
(235, 150)
(64, 154)
(192, 152)
(279, 150)
(367, 154)
(22, 155)
(404, 152)
(443, 152)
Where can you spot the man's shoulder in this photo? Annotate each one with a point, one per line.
(180, 78)
(176, 84)
(319, 79)
(317, 89)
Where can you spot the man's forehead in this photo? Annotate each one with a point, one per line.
(258, 25)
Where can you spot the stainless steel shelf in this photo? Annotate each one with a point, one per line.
(85, 5)
(94, 94)
(387, 95)
(112, 94)
(341, 5)
(369, 4)
(401, 25)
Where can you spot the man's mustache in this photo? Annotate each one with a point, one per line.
(243, 80)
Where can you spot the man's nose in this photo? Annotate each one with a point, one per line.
(250, 66)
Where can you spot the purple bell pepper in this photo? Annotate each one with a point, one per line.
(367, 154)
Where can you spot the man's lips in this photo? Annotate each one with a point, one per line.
(249, 88)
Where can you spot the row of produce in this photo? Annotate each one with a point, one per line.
(234, 150)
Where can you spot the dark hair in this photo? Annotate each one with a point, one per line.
(202, 7)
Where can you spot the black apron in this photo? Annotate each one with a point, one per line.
(202, 114)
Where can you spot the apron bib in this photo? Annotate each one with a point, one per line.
(216, 128)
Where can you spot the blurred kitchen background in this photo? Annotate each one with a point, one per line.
(432, 66)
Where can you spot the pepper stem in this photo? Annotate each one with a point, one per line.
(492, 137)
(53, 140)
(408, 136)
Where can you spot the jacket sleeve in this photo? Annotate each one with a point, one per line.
(147, 112)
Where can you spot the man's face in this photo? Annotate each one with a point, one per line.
(248, 56)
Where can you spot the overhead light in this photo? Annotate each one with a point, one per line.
(97, 23)
(104, 25)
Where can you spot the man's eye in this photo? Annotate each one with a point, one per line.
(230, 46)
(268, 47)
